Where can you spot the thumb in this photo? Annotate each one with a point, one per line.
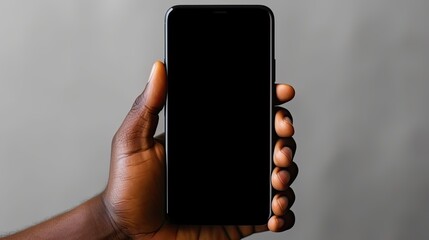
(153, 96)
(139, 126)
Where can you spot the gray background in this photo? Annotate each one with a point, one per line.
(70, 70)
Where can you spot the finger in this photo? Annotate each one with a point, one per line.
(282, 202)
(239, 232)
(156, 89)
(280, 179)
(139, 126)
(245, 230)
(284, 150)
(283, 123)
(284, 93)
(281, 223)
(231, 231)
(279, 204)
(261, 228)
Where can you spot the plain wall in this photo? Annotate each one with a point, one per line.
(70, 71)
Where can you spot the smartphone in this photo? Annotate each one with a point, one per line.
(219, 114)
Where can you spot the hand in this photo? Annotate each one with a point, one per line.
(134, 196)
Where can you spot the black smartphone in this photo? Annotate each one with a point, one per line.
(219, 114)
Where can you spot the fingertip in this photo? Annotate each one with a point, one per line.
(159, 64)
(283, 155)
(283, 123)
(280, 204)
(158, 71)
(275, 224)
(284, 92)
(281, 223)
(280, 179)
(157, 86)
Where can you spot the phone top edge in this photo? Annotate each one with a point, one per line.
(221, 6)
(218, 5)
(262, 7)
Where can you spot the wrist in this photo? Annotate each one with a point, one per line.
(103, 221)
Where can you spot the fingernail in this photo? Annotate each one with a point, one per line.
(287, 152)
(283, 177)
(152, 72)
(282, 201)
(289, 120)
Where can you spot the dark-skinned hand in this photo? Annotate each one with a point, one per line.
(135, 193)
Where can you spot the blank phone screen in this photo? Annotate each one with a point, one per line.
(218, 114)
